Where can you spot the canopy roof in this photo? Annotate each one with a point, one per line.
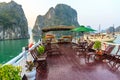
(82, 29)
(57, 28)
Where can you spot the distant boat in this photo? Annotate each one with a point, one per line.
(103, 37)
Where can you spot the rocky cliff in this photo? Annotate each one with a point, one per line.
(13, 23)
(60, 15)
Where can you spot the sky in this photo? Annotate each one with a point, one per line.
(92, 13)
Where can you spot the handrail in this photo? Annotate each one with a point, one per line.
(110, 43)
(16, 60)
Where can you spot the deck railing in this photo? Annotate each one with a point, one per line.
(16, 60)
(20, 60)
(104, 45)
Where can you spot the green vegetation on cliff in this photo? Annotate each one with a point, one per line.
(62, 14)
(13, 23)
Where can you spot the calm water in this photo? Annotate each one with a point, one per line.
(11, 48)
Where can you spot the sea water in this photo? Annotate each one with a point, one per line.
(11, 48)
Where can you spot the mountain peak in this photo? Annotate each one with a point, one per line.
(62, 14)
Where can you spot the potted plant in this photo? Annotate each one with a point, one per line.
(41, 50)
(30, 70)
(10, 72)
(97, 46)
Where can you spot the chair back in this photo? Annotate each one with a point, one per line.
(118, 53)
(109, 49)
(48, 46)
(91, 45)
(33, 53)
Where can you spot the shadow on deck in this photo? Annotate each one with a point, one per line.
(69, 66)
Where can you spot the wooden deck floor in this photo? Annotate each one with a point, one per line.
(70, 66)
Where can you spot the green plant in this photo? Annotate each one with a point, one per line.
(10, 72)
(97, 45)
(29, 65)
(41, 50)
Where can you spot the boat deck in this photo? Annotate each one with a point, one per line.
(70, 66)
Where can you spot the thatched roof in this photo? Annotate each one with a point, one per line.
(57, 28)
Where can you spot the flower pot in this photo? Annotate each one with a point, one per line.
(31, 75)
(99, 52)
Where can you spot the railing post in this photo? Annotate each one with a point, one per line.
(26, 51)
